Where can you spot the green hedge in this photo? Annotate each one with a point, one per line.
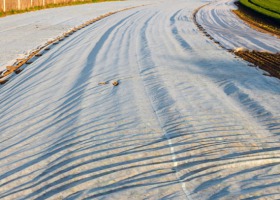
(268, 8)
(271, 5)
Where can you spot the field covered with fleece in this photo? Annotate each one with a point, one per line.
(188, 119)
(230, 31)
(22, 33)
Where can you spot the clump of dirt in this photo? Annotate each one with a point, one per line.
(115, 83)
(103, 83)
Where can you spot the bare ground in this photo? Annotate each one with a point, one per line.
(264, 60)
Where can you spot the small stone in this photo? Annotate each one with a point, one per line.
(115, 83)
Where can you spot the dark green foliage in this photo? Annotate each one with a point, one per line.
(268, 8)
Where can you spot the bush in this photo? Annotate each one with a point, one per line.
(267, 8)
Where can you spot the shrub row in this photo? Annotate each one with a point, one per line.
(267, 8)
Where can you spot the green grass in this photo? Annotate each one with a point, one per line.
(35, 8)
(271, 5)
(267, 8)
(257, 20)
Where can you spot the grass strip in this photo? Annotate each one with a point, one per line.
(269, 8)
(36, 8)
(256, 20)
